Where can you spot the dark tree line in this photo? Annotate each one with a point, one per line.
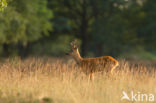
(103, 27)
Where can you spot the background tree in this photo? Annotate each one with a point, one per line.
(22, 23)
(122, 28)
(3, 4)
(148, 28)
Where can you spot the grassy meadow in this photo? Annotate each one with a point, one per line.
(47, 80)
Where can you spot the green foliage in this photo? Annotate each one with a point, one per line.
(148, 30)
(112, 27)
(3, 4)
(55, 47)
(104, 27)
(139, 53)
(24, 21)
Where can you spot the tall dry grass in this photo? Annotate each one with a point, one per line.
(56, 81)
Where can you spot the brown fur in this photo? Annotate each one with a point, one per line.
(105, 63)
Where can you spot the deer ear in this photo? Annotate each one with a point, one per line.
(71, 43)
(74, 44)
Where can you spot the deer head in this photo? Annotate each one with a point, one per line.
(74, 50)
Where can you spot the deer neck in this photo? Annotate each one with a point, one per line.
(78, 57)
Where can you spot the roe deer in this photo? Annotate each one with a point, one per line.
(91, 65)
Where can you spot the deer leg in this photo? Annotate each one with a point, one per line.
(114, 67)
(112, 70)
(91, 76)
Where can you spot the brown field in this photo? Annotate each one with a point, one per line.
(59, 81)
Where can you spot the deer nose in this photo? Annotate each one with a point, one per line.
(67, 54)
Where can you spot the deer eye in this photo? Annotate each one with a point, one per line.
(75, 48)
